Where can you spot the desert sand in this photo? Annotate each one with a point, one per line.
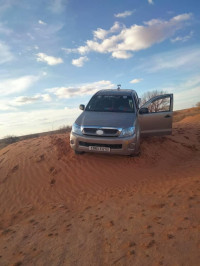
(58, 208)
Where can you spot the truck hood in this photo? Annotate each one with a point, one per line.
(106, 119)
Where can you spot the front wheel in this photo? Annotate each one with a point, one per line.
(79, 152)
(135, 154)
(137, 149)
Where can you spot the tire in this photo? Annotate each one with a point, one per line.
(135, 154)
(79, 152)
(137, 151)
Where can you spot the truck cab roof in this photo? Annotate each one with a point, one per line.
(116, 92)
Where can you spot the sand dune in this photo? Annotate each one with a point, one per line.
(58, 208)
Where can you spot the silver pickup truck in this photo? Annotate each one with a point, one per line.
(113, 122)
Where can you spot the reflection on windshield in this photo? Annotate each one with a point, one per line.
(111, 103)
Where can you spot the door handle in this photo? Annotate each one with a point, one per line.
(167, 116)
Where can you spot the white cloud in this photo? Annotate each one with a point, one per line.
(133, 81)
(81, 90)
(42, 22)
(46, 97)
(183, 38)
(182, 17)
(101, 33)
(187, 93)
(186, 58)
(12, 86)
(79, 62)
(121, 55)
(124, 14)
(22, 100)
(134, 38)
(186, 98)
(50, 60)
(5, 106)
(5, 53)
(27, 122)
(69, 50)
(82, 50)
(150, 2)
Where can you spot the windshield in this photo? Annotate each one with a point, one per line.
(111, 103)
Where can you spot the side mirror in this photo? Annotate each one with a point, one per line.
(82, 107)
(143, 110)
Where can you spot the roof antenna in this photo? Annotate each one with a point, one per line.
(118, 87)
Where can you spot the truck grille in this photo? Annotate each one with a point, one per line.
(107, 132)
(111, 146)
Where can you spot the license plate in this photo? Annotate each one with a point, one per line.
(95, 148)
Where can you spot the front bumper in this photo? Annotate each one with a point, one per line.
(123, 146)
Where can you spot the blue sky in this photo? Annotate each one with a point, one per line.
(55, 54)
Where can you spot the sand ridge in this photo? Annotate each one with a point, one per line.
(58, 208)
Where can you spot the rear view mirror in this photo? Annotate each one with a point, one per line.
(144, 110)
(82, 107)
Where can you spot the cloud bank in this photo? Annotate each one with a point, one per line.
(121, 42)
(81, 90)
(13, 86)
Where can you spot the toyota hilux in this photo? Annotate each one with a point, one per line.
(113, 122)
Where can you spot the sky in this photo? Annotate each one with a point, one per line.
(55, 54)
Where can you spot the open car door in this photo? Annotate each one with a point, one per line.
(155, 116)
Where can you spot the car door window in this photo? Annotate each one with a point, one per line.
(159, 105)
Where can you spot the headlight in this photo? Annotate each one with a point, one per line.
(76, 129)
(127, 132)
